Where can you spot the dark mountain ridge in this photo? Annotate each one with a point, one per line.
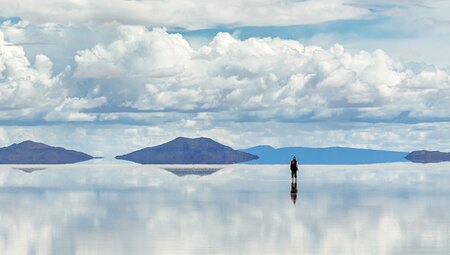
(425, 156)
(29, 152)
(184, 150)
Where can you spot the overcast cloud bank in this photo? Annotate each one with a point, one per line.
(188, 14)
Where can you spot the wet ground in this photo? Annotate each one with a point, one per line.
(400, 208)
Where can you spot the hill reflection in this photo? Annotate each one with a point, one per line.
(182, 171)
(29, 169)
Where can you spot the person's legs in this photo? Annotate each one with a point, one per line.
(294, 175)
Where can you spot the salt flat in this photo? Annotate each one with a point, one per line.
(398, 208)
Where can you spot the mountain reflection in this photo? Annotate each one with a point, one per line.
(182, 171)
(238, 210)
(29, 169)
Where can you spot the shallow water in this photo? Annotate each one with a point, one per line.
(399, 208)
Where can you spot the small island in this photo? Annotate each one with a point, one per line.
(425, 156)
(29, 152)
(188, 151)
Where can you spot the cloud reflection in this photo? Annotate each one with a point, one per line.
(382, 209)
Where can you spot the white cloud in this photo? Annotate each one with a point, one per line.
(29, 91)
(157, 54)
(227, 89)
(238, 80)
(262, 78)
(181, 13)
(71, 109)
(23, 86)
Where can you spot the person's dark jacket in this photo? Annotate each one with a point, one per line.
(294, 165)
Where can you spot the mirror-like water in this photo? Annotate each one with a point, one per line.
(129, 209)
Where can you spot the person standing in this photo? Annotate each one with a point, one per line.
(294, 169)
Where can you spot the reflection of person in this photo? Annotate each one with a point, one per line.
(294, 192)
(294, 169)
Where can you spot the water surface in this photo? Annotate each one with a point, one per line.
(399, 208)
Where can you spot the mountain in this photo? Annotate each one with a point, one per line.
(325, 156)
(428, 156)
(29, 152)
(188, 151)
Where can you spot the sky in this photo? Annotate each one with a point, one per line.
(110, 76)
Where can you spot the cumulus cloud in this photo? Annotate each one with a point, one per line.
(154, 84)
(71, 109)
(181, 13)
(156, 54)
(153, 76)
(23, 85)
(31, 91)
(262, 79)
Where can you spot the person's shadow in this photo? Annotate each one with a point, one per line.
(294, 192)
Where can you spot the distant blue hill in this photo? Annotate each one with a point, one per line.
(325, 156)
